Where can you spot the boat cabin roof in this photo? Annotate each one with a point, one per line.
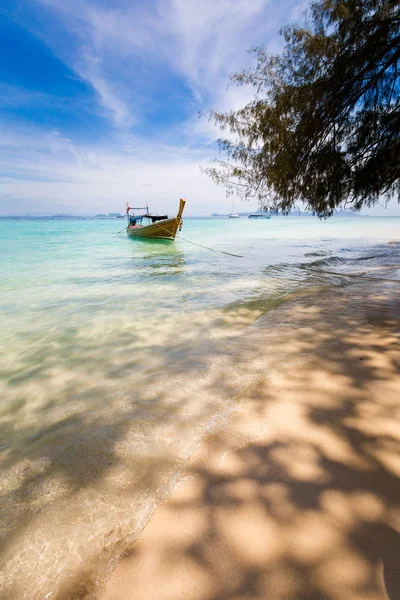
(152, 218)
(155, 218)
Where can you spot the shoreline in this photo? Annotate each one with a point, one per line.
(298, 495)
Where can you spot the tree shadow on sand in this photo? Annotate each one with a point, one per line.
(299, 499)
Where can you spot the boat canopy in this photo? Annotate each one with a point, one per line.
(133, 219)
(156, 218)
(146, 215)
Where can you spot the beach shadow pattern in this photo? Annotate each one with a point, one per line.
(299, 498)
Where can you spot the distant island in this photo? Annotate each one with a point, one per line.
(111, 215)
(292, 213)
(64, 216)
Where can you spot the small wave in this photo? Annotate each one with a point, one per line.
(320, 253)
(374, 256)
(330, 260)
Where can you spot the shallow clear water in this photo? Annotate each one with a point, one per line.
(117, 355)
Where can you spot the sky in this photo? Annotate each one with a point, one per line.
(100, 100)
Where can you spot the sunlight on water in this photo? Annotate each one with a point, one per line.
(118, 355)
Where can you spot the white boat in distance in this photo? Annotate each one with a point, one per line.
(233, 214)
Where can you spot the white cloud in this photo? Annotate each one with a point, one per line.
(52, 171)
(205, 130)
(209, 37)
(123, 52)
(117, 107)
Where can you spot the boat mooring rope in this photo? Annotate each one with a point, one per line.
(194, 243)
(212, 249)
(302, 268)
(201, 245)
(351, 275)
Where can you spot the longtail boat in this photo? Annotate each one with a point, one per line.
(149, 225)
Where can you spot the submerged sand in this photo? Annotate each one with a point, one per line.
(297, 496)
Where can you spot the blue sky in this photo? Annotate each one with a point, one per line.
(99, 99)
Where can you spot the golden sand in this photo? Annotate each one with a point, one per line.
(298, 496)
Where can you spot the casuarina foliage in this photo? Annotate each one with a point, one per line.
(324, 125)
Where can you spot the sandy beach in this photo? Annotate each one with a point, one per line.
(297, 495)
(200, 300)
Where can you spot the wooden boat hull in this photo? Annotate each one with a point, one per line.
(166, 229)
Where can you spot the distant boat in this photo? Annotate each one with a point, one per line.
(261, 215)
(233, 214)
(150, 226)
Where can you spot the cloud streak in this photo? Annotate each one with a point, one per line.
(123, 52)
(152, 65)
(52, 170)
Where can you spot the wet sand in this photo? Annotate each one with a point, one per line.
(297, 496)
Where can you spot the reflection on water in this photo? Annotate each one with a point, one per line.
(116, 356)
(156, 259)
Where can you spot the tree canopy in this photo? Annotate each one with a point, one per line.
(324, 125)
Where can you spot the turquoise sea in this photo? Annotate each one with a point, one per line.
(118, 355)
